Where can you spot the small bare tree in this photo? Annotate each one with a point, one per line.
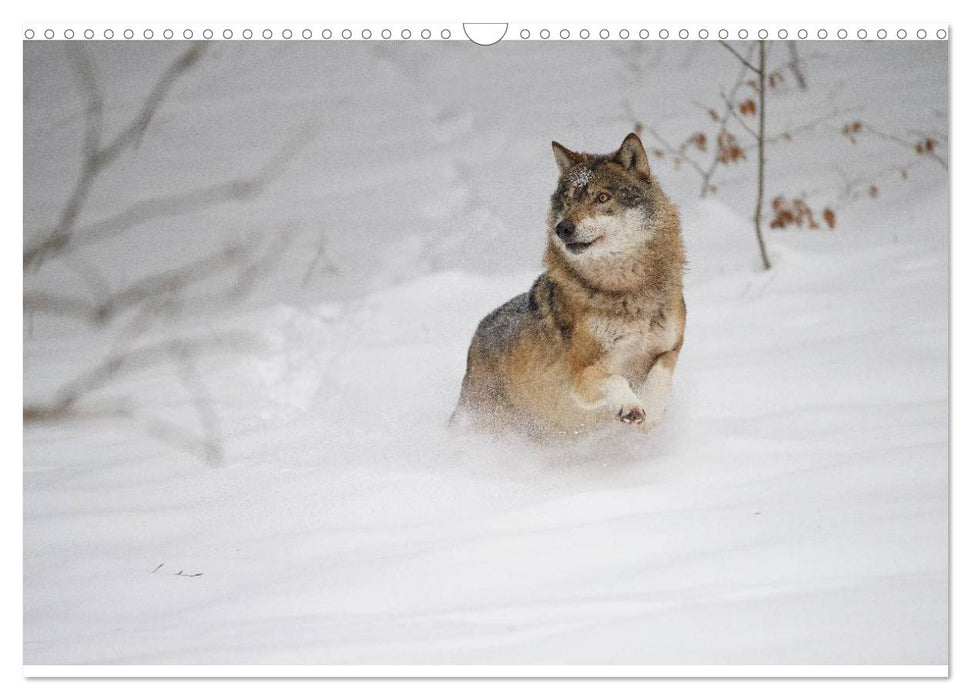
(210, 282)
(739, 127)
(759, 70)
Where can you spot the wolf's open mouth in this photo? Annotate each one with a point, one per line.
(579, 247)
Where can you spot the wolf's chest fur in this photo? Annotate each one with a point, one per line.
(629, 346)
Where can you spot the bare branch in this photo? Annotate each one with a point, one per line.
(58, 305)
(86, 76)
(131, 136)
(930, 131)
(55, 413)
(182, 352)
(89, 274)
(151, 288)
(741, 58)
(162, 430)
(785, 135)
(909, 145)
(852, 188)
(321, 262)
(177, 436)
(132, 361)
(202, 401)
(168, 283)
(252, 268)
(195, 200)
(730, 110)
(155, 294)
(679, 153)
(805, 127)
(722, 122)
(97, 157)
(795, 67)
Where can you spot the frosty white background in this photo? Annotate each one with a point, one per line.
(250, 276)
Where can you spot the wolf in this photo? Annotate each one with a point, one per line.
(596, 338)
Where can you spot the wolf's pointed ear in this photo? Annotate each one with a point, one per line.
(565, 158)
(632, 155)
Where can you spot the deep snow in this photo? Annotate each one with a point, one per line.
(791, 509)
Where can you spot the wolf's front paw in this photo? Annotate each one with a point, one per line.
(631, 414)
(622, 401)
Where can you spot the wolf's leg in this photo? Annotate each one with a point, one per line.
(656, 389)
(594, 387)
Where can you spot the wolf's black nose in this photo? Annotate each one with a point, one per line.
(565, 229)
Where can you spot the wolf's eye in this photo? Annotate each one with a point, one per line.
(603, 197)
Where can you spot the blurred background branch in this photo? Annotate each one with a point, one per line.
(186, 290)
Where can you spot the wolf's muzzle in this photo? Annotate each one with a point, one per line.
(565, 230)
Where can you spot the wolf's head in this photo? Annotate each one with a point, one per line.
(606, 212)
(603, 203)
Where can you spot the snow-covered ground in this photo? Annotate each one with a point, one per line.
(793, 507)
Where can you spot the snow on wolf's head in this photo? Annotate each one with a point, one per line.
(606, 213)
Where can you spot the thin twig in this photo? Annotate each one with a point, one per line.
(722, 123)
(785, 135)
(677, 153)
(741, 58)
(851, 192)
(909, 145)
(321, 262)
(794, 66)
